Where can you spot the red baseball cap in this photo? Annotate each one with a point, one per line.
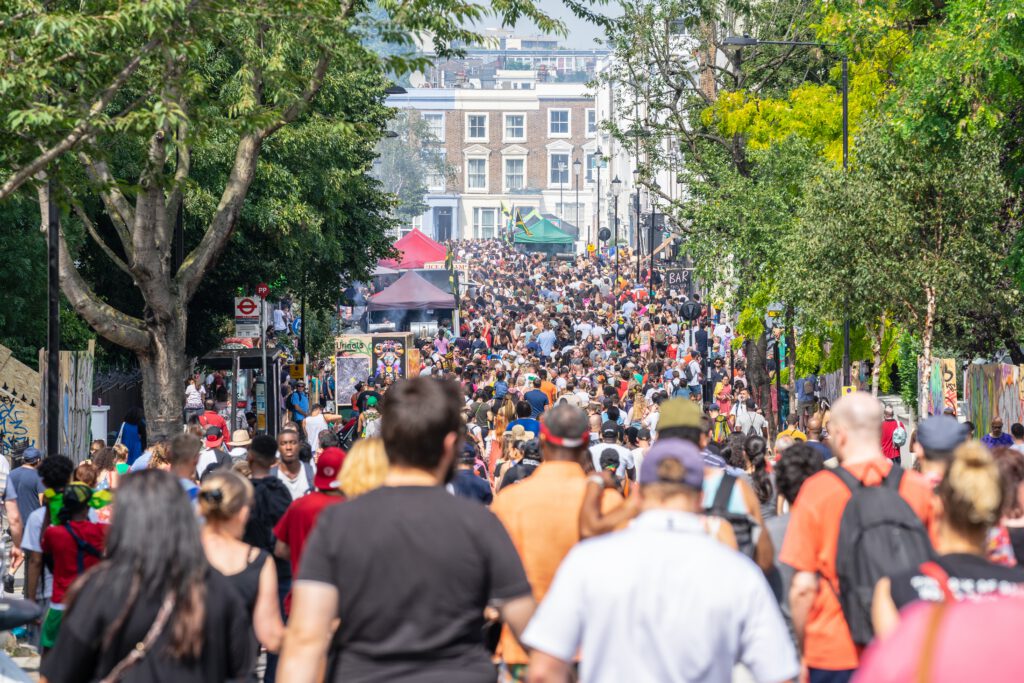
(328, 466)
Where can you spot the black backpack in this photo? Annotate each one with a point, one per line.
(879, 535)
(742, 525)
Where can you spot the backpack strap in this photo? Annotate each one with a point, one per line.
(83, 548)
(893, 479)
(720, 505)
(934, 570)
(845, 476)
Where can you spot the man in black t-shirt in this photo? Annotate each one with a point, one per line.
(407, 568)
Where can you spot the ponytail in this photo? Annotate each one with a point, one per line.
(756, 449)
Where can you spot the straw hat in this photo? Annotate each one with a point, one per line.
(519, 433)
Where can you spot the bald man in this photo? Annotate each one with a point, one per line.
(855, 432)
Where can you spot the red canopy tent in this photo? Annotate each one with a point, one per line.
(409, 293)
(415, 249)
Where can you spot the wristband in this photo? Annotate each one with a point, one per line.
(595, 479)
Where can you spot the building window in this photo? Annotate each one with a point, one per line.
(515, 127)
(558, 122)
(558, 169)
(515, 174)
(591, 122)
(567, 212)
(591, 169)
(435, 124)
(476, 174)
(485, 221)
(435, 174)
(476, 126)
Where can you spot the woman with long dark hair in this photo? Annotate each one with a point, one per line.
(756, 450)
(153, 610)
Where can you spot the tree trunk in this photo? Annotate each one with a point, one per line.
(163, 376)
(926, 351)
(760, 381)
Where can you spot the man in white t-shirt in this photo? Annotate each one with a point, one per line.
(297, 476)
(612, 596)
(610, 440)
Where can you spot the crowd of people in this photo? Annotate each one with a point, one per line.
(576, 486)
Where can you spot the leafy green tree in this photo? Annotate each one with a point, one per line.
(163, 83)
(898, 238)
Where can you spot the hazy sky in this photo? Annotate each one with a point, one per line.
(581, 33)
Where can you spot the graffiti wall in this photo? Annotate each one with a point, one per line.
(991, 390)
(19, 402)
(75, 407)
(941, 390)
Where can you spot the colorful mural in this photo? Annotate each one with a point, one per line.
(941, 390)
(991, 390)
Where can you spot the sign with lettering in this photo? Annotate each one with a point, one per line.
(678, 278)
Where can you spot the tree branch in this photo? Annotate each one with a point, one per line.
(216, 237)
(120, 328)
(83, 128)
(316, 81)
(120, 211)
(91, 228)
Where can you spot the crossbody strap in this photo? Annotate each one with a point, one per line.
(141, 649)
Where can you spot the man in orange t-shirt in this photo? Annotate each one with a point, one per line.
(547, 387)
(829, 653)
(542, 512)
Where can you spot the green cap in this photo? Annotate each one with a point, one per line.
(678, 412)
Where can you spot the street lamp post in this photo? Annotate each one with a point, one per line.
(598, 161)
(747, 41)
(616, 189)
(576, 176)
(561, 186)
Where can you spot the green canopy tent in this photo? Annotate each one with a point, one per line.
(543, 236)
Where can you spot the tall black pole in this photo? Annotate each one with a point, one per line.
(638, 249)
(778, 381)
(846, 151)
(302, 324)
(576, 167)
(598, 160)
(615, 240)
(52, 324)
(650, 246)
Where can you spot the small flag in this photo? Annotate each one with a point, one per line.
(520, 225)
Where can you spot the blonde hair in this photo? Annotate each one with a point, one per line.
(224, 494)
(972, 491)
(364, 468)
(158, 457)
(120, 452)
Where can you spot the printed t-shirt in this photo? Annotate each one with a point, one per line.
(810, 546)
(58, 543)
(542, 516)
(297, 524)
(969, 576)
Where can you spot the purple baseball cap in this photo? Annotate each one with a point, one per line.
(683, 452)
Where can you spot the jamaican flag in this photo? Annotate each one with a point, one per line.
(449, 265)
(521, 225)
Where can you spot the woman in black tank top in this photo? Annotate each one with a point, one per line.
(225, 499)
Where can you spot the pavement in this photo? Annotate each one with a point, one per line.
(23, 655)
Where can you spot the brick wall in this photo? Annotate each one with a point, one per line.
(536, 143)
